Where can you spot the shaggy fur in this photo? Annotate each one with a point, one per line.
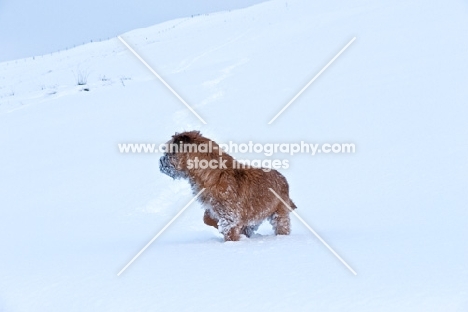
(236, 201)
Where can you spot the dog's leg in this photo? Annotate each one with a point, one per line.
(281, 222)
(233, 234)
(208, 219)
(229, 229)
(250, 230)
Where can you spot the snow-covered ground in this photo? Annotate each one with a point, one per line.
(74, 210)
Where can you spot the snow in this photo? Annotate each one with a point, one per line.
(74, 210)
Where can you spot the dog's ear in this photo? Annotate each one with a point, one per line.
(184, 137)
(194, 134)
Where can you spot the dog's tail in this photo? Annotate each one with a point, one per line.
(292, 204)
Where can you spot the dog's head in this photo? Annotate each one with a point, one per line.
(174, 161)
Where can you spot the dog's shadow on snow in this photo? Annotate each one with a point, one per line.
(212, 237)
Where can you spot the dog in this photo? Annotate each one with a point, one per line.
(236, 198)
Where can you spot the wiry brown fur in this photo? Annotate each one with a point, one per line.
(236, 201)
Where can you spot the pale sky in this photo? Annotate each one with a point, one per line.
(31, 27)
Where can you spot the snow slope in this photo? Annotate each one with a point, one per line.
(74, 211)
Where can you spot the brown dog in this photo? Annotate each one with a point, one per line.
(236, 200)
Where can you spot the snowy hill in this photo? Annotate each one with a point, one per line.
(74, 210)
